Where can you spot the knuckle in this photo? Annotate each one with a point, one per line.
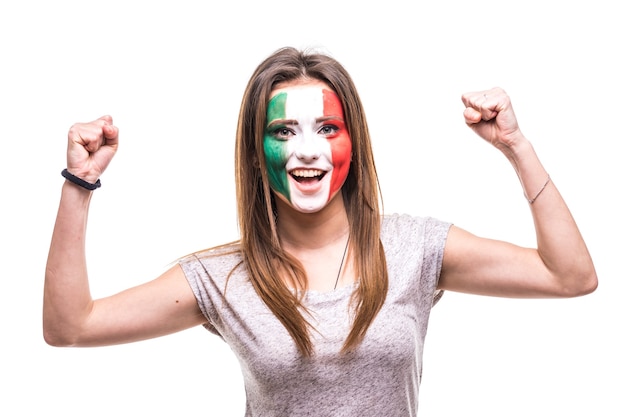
(74, 129)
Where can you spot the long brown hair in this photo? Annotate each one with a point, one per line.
(262, 253)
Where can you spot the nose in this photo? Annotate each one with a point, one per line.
(308, 148)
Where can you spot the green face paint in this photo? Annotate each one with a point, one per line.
(275, 149)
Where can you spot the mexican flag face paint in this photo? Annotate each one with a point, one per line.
(307, 146)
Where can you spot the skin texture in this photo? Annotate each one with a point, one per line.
(313, 229)
(560, 265)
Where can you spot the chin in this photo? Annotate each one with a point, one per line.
(308, 209)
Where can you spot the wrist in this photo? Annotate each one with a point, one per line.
(519, 149)
(75, 197)
(80, 182)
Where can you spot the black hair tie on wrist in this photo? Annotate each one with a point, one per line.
(79, 181)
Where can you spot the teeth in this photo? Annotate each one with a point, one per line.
(307, 173)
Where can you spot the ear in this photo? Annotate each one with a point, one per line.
(255, 162)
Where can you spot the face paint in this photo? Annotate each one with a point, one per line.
(276, 150)
(307, 146)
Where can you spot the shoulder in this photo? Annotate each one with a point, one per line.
(216, 260)
(414, 249)
(398, 227)
(414, 240)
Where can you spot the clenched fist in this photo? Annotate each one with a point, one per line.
(90, 148)
(490, 114)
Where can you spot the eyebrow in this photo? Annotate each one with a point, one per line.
(279, 122)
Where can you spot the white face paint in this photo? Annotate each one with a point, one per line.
(307, 146)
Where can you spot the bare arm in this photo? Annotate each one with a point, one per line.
(560, 266)
(70, 316)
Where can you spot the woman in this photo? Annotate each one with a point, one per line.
(324, 301)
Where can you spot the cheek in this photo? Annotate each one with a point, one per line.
(276, 154)
(341, 149)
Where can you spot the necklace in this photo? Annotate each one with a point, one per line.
(341, 265)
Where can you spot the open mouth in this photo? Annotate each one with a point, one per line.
(307, 175)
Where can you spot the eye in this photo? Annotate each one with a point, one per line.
(282, 133)
(328, 130)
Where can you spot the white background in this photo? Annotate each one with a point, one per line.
(172, 75)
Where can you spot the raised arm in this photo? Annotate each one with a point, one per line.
(560, 266)
(70, 316)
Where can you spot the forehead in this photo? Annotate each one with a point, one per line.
(303, 98)
(296, 85)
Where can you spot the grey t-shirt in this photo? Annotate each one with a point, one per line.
(380, 378)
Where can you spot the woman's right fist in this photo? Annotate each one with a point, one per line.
(90, 148)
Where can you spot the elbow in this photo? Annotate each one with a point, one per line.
(588, 279)
(53, 341)
(579, 284)
(57, 335)
(590, 285)
(54, 338)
